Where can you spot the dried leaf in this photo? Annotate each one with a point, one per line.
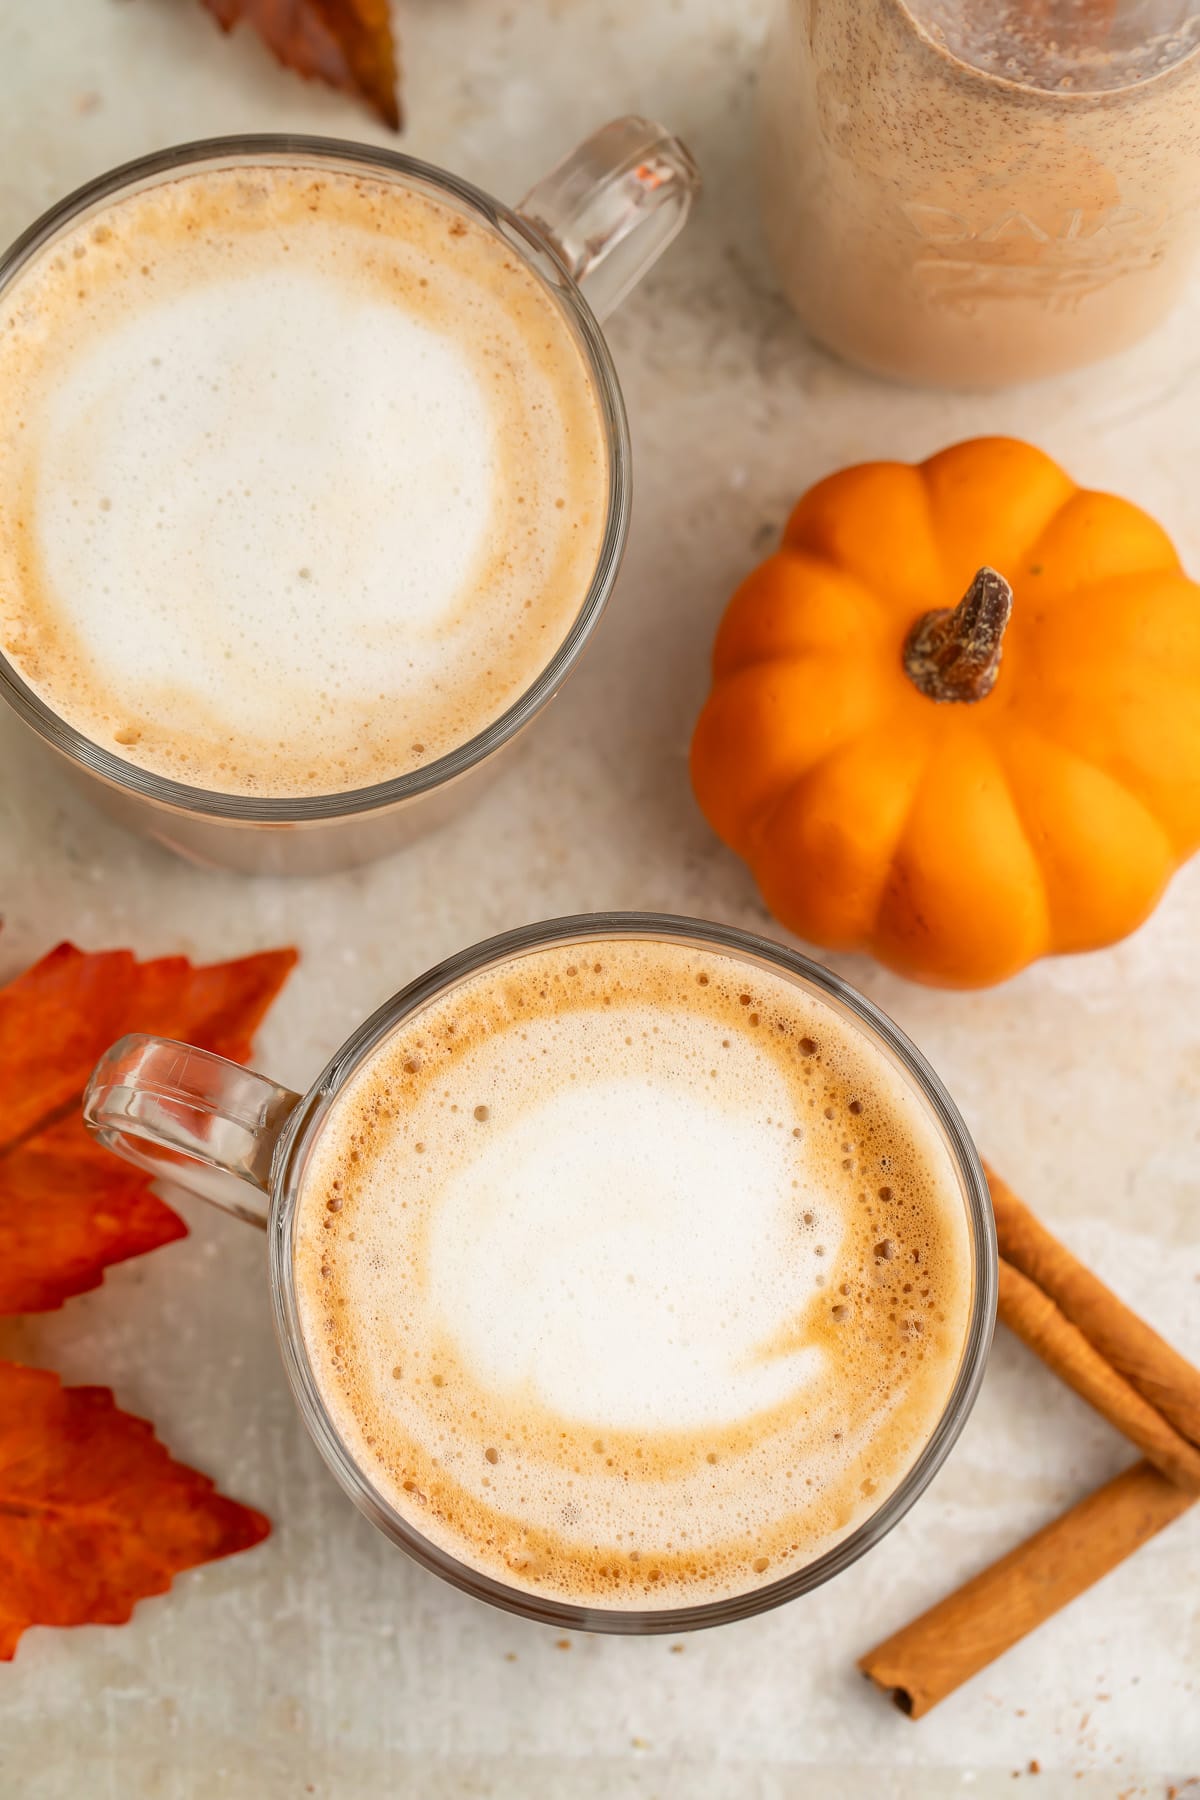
(94, 1514)
(345, 43)
(67, 1207)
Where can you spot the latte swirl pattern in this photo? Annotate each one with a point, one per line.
(632, 1274)
(304, 478)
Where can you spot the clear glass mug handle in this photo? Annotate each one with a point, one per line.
(191, 1118)
(613, 205)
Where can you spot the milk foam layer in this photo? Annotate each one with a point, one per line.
(303, 479)
(631, 1274)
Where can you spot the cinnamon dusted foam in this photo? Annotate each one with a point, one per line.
(631, 1274)
(303, 478)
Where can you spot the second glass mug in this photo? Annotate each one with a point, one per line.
(590, 229)
(244, 1142)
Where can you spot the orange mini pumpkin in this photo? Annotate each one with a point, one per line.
(955, 719)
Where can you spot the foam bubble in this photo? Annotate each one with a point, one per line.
(651, 1352)
(306, 479)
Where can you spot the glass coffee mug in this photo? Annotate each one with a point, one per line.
(589, 230)
(246, 1143)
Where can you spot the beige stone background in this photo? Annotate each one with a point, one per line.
(324, 1663)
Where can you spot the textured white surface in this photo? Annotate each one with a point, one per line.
(325, 1663)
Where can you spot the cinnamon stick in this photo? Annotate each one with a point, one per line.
(1133, 1376)
(923, 1662)
(1134, 1349)
(1038, 1322)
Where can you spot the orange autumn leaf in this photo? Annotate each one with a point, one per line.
(94, 1514)
(67, 1207)
(346, 43)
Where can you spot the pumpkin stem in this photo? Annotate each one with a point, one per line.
(955, 654)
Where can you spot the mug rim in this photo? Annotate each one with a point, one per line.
(300, 1133)
(299, 149)
(1017, 90)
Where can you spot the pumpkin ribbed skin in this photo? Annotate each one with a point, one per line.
(958, 841)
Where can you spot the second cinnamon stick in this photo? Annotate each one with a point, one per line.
(1037, 1321)
(1159, 1373)
(925, 1661)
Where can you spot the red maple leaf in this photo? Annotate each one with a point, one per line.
(67, 1207)
(94, 1514)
